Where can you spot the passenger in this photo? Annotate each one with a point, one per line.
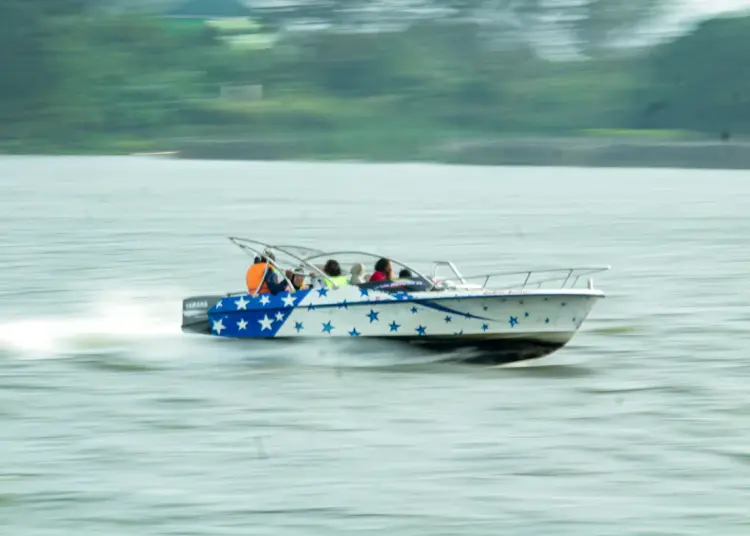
(383, 271)
(333, 270)
(357, 274)
(405, 273)
(272, 281)
(297, 276)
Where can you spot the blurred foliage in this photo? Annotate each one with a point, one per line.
(700, 81)
(87, 81)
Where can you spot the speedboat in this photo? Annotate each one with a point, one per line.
(494, 322)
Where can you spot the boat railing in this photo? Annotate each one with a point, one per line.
(567, 277)
(436, 267)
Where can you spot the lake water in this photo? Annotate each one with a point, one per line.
(113, 422)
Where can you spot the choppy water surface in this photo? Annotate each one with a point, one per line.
(113, 422)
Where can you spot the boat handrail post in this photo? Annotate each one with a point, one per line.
(455, 271)
(449, 264)
(237, 241)
(262, 279)
(570, 272)
(528, 275)
(311, 266)
(270, 264)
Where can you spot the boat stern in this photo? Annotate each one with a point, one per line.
(195, 313)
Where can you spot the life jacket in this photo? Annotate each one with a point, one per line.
(254, 278)
(338, 280)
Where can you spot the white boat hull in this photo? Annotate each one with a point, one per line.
(502, 326)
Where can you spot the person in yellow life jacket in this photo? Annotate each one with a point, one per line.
(333, 270)
(270, 282)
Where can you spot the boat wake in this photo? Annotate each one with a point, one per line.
(141, 327)
(106, 329)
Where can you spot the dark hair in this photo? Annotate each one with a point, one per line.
(265, 257)
(332, 268)
(404, 273)
(381, 265)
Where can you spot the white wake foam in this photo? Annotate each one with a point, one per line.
(145, 323)
(109, 322)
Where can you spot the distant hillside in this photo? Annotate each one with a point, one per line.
(161, 6)
(209, 8)
(140, 6)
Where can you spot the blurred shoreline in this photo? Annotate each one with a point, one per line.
(537, 151)
(197, 82)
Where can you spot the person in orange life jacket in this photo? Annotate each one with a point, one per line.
(383, 271)
(270, 282)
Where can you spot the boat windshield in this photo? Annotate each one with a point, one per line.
(348, 259)
(313, 260)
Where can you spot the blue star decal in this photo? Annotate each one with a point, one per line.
(310, 307)
(485, 308)
(513, 321)
(322, 292)
(526, 315)
(327, 327)
(448, 319)
(354, 332)
(485, 327)
(373, 316)
(394, 326)
(546, 320)
(363, 292)
(521, 302)
(574, 320)
(343, 305)
(421, 330)
(563, 304)
(414, 310)
(298, 326)
(450, 311)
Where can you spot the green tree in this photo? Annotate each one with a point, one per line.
(586, 26)
(27, 61)
(700, 81)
